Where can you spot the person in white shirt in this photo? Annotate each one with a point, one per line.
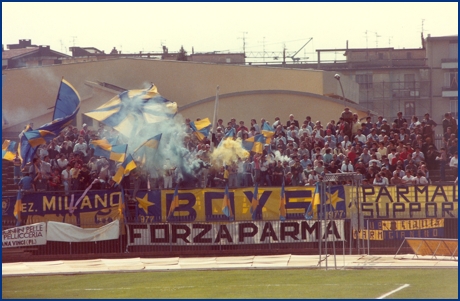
(62, 162)
(80, 146)
(408, 178)
(346, 142)
(420, 179)
(380, 180)
(454, 161)
(360, 136)
(418, 156)
(66, 175)
(313, 177)
(347, 166)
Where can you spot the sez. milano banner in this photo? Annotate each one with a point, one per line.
(205, 205)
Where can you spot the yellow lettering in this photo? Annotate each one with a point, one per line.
(112, 197)
(86, 203)
(49, 204)
(98, 200)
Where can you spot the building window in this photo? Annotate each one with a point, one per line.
(409, 55)
(409, 82)
(453, 50)
(380, 56)
(454, 108)
(409, 108)
(451, 80)
(364, 80)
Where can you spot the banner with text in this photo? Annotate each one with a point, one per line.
(393, 202)
(100, 207)
(30, 235)
(400, 229)
(234, 233)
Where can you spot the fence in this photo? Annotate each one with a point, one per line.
(190, 238)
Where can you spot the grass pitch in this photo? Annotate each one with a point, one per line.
(239, 284)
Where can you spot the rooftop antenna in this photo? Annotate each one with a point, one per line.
(389, 41)
(423, 22)
(366, 39)
(377, 40)
(263, 53)
(62, 45)
(73, 40)
(244, 41)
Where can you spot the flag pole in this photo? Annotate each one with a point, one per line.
(214, 120)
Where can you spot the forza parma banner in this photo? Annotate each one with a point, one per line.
(206, 205)
(234, 233)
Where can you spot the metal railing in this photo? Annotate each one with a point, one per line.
(190, 238)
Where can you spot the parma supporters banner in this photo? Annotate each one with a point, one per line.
(234, 233)
(433, 201)
(400, 229)
(31, 235)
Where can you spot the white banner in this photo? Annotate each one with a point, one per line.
(70, 233)
(245, 232)
(31, 235)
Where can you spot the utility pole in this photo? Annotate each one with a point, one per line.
(244, 41)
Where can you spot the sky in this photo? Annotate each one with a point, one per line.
(226, 26)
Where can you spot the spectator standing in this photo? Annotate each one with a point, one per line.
(66, 178)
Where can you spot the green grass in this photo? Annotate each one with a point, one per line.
(276, 284)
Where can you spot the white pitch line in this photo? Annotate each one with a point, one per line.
(393, 291)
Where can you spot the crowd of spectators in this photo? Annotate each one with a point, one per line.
(299, 153)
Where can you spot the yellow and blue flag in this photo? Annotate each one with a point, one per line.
(268, 132)
(26, 151)
(255, 144)
(65, 111)
(38, 137)
(282, 204)
(229, 135)
(131, 109)
(9, 149)
(174, 203)
(226, 207)
(103, 148)
(255, 202)
(201, 128)
(68, 100)
(145, 149)
(312, 211)
(124, 169)
(18, 208)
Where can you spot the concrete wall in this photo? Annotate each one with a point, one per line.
(29, 92)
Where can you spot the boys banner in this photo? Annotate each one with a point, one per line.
(100, 207)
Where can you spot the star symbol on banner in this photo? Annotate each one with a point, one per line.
(333, 199)
(144, 203)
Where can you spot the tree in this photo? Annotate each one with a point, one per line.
(182, 56)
